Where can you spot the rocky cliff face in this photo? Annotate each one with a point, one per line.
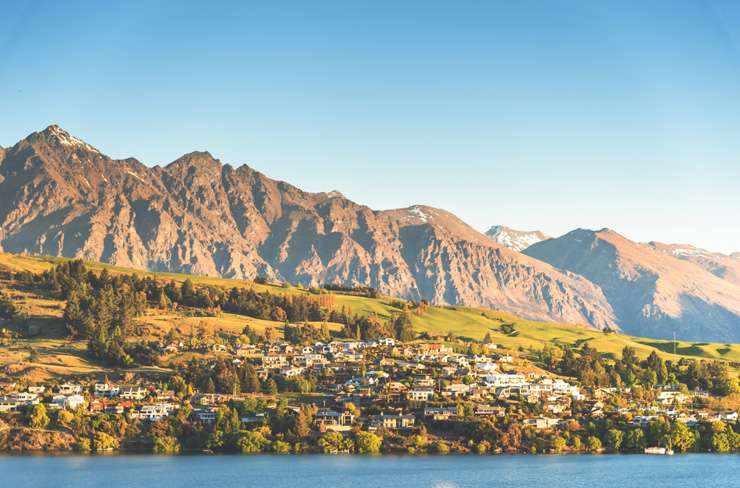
(653, 292)
(61, 196)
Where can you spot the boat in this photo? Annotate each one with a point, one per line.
(661, 451)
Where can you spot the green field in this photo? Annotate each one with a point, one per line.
(465, 323)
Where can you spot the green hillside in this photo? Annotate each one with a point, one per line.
(508, 331)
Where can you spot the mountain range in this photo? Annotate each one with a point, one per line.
(62, 196)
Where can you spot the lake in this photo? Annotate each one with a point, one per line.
(574, 471)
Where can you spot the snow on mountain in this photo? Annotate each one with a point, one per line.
(517, 240)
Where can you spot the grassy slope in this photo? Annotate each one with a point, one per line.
(464, 322)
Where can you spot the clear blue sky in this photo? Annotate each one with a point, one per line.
(549, 115)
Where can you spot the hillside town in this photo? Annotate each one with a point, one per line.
(364, 396)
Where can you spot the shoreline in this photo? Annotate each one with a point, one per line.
(11, 454)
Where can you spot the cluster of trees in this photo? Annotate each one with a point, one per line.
(365, 291)
(508, 435)
(372, 327)
(594, 369)
(8, 309)
(226, 377)
(306, 333)
(101, 309)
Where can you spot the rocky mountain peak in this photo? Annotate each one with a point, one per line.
(55, 136)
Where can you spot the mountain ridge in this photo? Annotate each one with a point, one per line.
(653, 293)
(200, 216)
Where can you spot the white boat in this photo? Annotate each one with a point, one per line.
(662, 451)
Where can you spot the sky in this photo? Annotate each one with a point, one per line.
(548, 115)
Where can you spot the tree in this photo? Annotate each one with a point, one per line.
(251, 382)
(334, 442)
(558, 444)
(635, 439)
(271, 387)
(302, 423)
(38, 419)
(593, 443)
(613, 439)
(252, 442)
(403, 327)
(210, 386)
(164, 302)
(8, 310)
(682, 439)
(166, 445)
(368, 443)
(104, 442)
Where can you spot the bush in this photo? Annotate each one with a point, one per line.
(368, 443)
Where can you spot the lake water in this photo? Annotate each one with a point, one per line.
(693, 470)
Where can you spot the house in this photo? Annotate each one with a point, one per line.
(38, 390)
(486, 411)
(115, 409)
(424, 382)
(96, 406)
(206, 415)
(291, 371)
(9, 404)
(419, 395)
(106, 390)
(642, 420)
(392, 421)
(69, 389)
(504, 379)
(668, 397)
(456, 390)
(69, 402)
(331, 418)
(440, 413)
(24, 398)
(274, 361)
(133, 393)
(153, 413)
(541, 422)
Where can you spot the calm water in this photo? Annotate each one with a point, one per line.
(362, 472)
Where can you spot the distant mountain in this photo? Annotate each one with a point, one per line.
(517, 240)
(722, 265)
(652, 292)
(61, 196)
